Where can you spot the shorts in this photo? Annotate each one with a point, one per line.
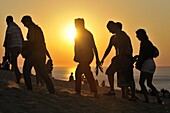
(113, 67)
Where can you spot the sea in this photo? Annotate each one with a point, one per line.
(161, 79)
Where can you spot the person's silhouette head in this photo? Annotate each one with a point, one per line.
(26, 20)
(141, 34)
(79, 23)
(9, 19)
(114, 27)
(110, 26)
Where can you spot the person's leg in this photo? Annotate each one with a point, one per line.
(132, 83)
(127, 71)
(122, 83)
(14, 55)
(78, 75)
(132, 88)
(38, 78)
(40, 69)
(124, 92)
(150, 85)
(27, 73)
(110, 74)
(90, 78)
(142, 79)
(111, 82)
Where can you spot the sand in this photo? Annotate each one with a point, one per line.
(14, 98)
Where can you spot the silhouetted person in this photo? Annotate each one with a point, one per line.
(13, 45)
(113, 67)
(145, 63)
(37, 54)
(71, 78)
(84, 49)
(122, 63)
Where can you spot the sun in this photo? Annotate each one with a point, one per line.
(69, 34)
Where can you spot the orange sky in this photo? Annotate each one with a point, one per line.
(56, 18)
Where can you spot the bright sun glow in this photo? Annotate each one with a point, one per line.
(69, 34)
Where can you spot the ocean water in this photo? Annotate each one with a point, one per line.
(161, 77)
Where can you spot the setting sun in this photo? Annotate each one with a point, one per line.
(69, 33)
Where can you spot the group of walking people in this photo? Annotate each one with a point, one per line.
(122, 62)
(34, 51)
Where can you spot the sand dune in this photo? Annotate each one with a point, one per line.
(15, 98)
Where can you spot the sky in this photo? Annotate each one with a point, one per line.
(56, 18)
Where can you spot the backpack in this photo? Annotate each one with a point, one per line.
(155, 52)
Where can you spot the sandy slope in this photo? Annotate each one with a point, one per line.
(15, 98)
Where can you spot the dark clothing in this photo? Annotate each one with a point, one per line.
(13, 45)
(36, 40)
(146, 51)
(143, 64)
(36, 58)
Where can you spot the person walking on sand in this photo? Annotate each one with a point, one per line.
(13, 45)
(145, 63)
(36, 55)
(84, 49)
(122, 63)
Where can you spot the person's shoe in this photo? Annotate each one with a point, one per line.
(110, 93)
